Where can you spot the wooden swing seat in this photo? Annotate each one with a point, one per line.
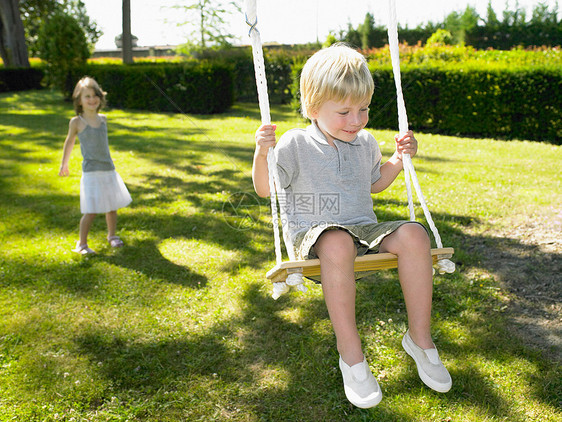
(368, 262)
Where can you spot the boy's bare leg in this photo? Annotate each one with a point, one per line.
(412, 245)
(337, 253)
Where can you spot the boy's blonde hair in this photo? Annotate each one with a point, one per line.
(334, 73)
(84, 83)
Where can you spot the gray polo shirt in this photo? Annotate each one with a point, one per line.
(321, 184)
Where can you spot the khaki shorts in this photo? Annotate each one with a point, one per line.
(367, 239)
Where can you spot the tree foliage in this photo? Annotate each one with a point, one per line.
(459, 24)
(544, 28)
(514, 29)
(35, 12)
(207, 22)
(62, 44)
(367, 34)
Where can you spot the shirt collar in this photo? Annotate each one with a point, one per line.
(315, 133)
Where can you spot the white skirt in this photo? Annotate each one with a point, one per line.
(102, 192)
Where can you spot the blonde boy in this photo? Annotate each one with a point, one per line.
(327, 174)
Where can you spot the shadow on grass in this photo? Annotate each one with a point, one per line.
(143, 256)
(252, 352)
(530, 276)
(83, 276)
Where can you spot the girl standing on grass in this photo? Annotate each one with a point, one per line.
(327, 173)
(101, 188)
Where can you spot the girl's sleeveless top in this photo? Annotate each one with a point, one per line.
(95, 148)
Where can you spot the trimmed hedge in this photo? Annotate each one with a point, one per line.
(499, 102)
(277, 71)
(20, 79)
(472, 98)
(200, 88)
(518, 103)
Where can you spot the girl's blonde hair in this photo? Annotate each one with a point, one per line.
(334, 73)
(84, 83)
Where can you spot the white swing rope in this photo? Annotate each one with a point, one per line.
(443, 265)
(293, 279)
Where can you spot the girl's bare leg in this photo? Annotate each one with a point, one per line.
(111, 220)
(337, 253)
(85, 224)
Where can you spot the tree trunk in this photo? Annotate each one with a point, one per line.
(126, 39)
(202, 24)
(13, 48)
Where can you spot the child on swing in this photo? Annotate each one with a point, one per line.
(101, 188)
(335, 158)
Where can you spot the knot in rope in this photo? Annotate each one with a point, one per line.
(445, 266)
(294, 279)
(282, 287)
(253, 26)
(279, 288)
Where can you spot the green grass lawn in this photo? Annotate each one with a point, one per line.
(179, 324)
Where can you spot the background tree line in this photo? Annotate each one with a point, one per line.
(63, 36)
(514, 29)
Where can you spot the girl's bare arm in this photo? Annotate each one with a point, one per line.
(68, 146)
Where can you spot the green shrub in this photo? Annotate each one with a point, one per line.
(467, 55)
(20, 79)
(440, 37)
(190, 87)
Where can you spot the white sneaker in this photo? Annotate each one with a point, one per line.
(361, 387)
(430, 368)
